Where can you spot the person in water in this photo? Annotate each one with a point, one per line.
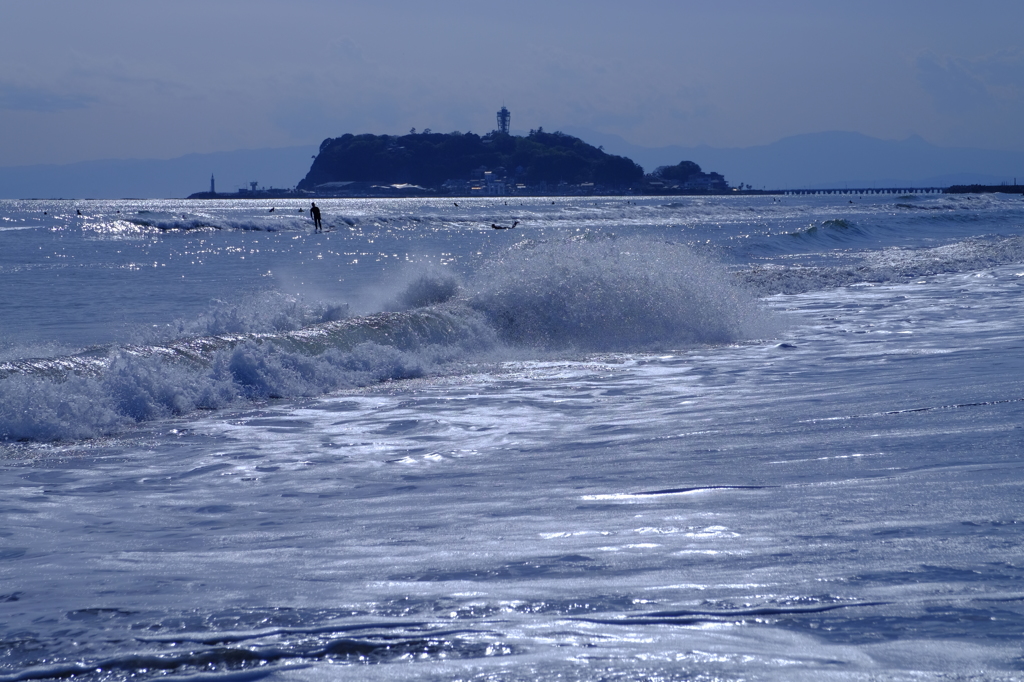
(504, 227)
(314, 211)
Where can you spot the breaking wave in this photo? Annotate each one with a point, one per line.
(168, 222)
(616, 294)
(588, 294)
(833, 230)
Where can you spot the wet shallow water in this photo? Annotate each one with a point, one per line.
(838, 501)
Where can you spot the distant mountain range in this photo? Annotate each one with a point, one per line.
(831, 160)
(816, 160)
(158, 178)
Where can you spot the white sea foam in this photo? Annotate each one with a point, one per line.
(614, 294)
(267, 311)
(582, 294)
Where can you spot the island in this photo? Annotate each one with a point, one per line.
(465, 164)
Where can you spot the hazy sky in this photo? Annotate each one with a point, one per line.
(162, 78)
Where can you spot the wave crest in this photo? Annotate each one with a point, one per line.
(597, 294)
(614, 294)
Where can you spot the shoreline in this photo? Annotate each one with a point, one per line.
(288, 194)
(956, 189)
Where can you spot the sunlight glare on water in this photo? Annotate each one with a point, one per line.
(676, 439)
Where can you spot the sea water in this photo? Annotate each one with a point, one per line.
(686, 438)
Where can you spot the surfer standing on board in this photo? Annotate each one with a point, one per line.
(314, 212)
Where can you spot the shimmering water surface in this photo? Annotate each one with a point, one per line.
(665, 439)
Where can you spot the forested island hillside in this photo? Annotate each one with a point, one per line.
(457, 161)
(465, 164)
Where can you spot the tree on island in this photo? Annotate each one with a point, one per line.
(680, 173)
(429, 159)
(687, 176)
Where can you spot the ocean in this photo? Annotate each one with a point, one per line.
(658, 438)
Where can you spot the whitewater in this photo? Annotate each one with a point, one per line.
(657, 438)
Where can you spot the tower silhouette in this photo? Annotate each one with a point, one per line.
(504, 117)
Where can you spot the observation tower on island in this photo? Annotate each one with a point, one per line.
(504, 117)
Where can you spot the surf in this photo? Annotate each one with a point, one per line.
(886, 266)
(536, 299)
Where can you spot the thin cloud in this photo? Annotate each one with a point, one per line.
(21, 98)
(1002, 70)
(959, 84)
(952, 87)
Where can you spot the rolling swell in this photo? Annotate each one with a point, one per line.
(254, 655)
(827, 226)
(587, 294)
(185, 221)
(105, 390)
(893, 265)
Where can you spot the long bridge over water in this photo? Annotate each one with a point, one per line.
(954, 189)
(868, 190)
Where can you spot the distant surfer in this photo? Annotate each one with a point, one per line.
(314, 212)
(271, 209)
(504, 227)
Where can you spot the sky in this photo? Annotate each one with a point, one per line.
(160, 78)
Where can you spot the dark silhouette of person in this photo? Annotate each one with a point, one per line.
(271, 209)
(504, 227)
(314, 211)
